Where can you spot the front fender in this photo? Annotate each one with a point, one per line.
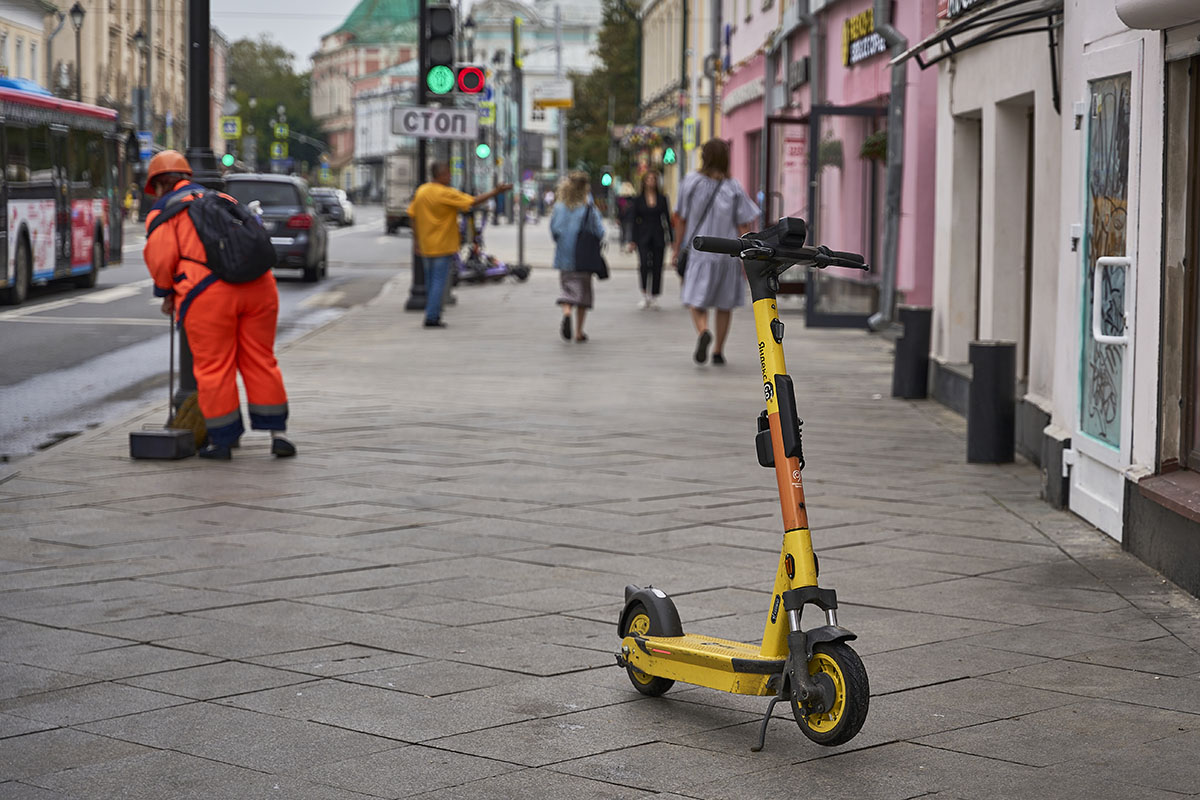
(825, 633)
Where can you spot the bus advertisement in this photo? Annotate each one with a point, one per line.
(61, 215)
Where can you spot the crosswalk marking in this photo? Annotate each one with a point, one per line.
(104, 295)
(92, 321)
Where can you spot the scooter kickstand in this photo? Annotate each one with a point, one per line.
(762, 731)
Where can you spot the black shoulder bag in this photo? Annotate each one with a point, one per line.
(686, 247)
(588, 246)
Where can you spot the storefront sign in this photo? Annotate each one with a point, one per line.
(746, 93)
(795, 151)
(860, 41)
(949, 9)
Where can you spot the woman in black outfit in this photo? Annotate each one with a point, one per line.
(650, 230)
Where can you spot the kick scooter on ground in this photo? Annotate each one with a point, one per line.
(815, 669)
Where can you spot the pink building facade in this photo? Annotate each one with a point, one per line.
(829, 167)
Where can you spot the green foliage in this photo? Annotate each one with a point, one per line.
(875, 146)
(261, 68)
(616, 77)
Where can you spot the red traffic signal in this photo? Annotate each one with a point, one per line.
(470, 80)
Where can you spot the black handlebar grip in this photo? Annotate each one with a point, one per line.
(719, 244)
(853, 258)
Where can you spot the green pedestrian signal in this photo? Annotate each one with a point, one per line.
(669, 155)
(482, 150)
(227, 160)
(440, 79)
(606, 180)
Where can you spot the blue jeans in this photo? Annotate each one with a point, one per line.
(437, 272)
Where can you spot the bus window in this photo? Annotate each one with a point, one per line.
(77, 158)
(41, 158)
(17, 158)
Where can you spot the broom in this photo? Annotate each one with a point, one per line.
(187, 415)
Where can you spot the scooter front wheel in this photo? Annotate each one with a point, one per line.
(639, 624)
(836, 664)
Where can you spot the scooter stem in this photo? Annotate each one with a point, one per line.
(797, 566)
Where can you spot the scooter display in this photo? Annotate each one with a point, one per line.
(814, 668)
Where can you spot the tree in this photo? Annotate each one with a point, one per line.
(614, 82)
(261, 68)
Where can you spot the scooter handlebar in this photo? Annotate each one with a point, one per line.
(719, 244)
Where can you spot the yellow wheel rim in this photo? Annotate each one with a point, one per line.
(822, 663)
(639, 626)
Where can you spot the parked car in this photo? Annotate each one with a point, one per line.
(328, 204)
(290, 215)
(347, 207)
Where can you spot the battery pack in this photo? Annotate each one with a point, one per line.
(162, 443)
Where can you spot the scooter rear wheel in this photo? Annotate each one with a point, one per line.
(836, 663)
(639, 623)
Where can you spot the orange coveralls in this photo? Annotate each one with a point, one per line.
(230, 328)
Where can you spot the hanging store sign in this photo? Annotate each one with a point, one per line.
(746, 93)
(860, 40)
(797, 73)
(949, 9)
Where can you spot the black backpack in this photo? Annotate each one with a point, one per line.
(237, 247)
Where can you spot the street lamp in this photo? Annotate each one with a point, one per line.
(469, 35)
(143, 46)
(76, 13)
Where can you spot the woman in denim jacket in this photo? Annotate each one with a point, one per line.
(572, 212)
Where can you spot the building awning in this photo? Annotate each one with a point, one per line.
(993, 21)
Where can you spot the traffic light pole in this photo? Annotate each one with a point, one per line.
(416, 289)
(519, 194)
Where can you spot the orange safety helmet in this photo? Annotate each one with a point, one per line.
(164, 162)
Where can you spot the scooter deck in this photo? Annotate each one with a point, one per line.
(702, 660)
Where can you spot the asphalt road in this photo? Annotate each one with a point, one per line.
(72, 358)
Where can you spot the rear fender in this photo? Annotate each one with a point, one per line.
(664, 619)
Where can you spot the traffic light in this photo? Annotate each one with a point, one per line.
(439, 49)
(470, 79)
(606, 177)
(669, 155)
(483, 150)
(227, 160)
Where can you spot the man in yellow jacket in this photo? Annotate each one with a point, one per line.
(434, 212)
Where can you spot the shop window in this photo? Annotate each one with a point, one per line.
(1191, 417)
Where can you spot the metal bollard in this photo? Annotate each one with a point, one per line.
(910, 369)
(992, 407)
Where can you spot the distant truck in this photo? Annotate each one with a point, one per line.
(400, 178)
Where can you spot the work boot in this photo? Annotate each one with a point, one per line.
(218, 452)
(281, 446)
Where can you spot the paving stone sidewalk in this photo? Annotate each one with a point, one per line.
(423, 603)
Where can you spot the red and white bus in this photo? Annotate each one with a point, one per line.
(58, 190)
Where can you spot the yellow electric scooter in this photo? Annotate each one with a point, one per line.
(815, 669)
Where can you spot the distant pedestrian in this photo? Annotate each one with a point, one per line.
(649, 231)
(434, 212)
(573, 212)
(230, 326)
(712, 204)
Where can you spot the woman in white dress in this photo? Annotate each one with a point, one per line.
(712, 204)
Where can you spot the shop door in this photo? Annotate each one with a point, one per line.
(1103, 430)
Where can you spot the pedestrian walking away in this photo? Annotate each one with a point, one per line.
(573, 212)
(230, 326)
(434, 212)
(712, 204)
(650, 230)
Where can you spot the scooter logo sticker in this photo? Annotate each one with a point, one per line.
(775, 609)
(789, 566)
(768, 391)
